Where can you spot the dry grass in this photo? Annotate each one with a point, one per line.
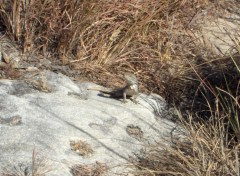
(206, 149)
(81, 147)
(97, 169)
(37, 167)
(155, 40)
(103, 37)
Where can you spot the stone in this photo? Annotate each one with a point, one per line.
(60, 131)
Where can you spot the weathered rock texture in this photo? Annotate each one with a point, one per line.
(38, 117)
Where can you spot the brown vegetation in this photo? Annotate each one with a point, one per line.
(205, 150)
(155, 40)
(102, 39)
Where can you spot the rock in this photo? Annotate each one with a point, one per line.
(59, 131)
(219, 30)
(10, 53)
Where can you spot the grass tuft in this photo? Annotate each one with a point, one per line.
(205, 149)
(38, 167)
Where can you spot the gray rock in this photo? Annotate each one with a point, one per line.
(61, 130)
(219, 32)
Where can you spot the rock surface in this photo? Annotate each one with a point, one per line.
(40, 119)
(219, 30)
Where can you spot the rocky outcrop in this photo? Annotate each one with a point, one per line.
(41, 119)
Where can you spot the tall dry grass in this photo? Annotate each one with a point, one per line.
(154, 39)
(210, 140)
(205, 150)
(102, 32)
